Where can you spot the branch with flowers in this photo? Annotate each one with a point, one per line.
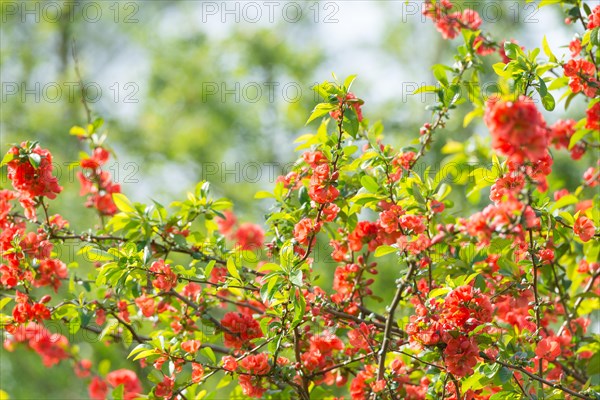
(490, 304)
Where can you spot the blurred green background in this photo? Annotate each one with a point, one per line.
(194, 90)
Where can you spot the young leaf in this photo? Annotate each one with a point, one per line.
(123, 203)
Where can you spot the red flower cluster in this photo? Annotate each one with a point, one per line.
(447, 325)
(400, 163)
(252, 381)
(450, 24)
(354, 102)
(581, 74)
(30, 172)
(366, 382)
(132, 387)
(584, 228)
(594, 19)
(518, 129)
(241, 328)
(321, 186)
(593, 117)
(26, 310)
(52, 347)
(50, 273)
(98, 183)
(166, 279)
(305, 230)
(560, 136)
(320, 355)
(250, 237)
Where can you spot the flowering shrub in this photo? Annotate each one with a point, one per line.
(495, 304)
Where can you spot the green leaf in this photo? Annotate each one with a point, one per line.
(269, 267)
(478, 112)
(439, 292)
(577, 136)
(350, 123)
(296, 278)
(385, 250)
(543, 90)
(209, 267)
(369, 183)
(78, 131)
(117, 393)
(4, 302)
(232, 269)
(425, 89)
(595, 37)
(123, 203)
(210, 354)
(504, 374)
(8, 157)
(512, 50)
(145, 354)
(547, 49)
(439, 71)
(564, 201)
(348, 82)
(35, 160)
(299, 308)
(502, 69)
(548, 102)
(139, 348)
(506, 396)
(320, 110)
(264, 195)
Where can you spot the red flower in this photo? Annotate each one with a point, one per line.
(166, 279)
(100, 317)
(389, 219)
(483, 48)
(412, 223)
(240, 329)
(575, 47)
(314, 158)
(593, 117)
(146, 305)
(561, 132)
(191, 346)
(131, 384)
(548, 349)
(323, 194)
(250, 237)
(594, 19)
(30, 180)
(546, 255)
(584, 228)
(461, 356)
(97, 389)
(518, 129)
(365, 232)
(50, 272)
(82, 368)
(360, 336)
(226, 224)
(305, 229)
(99, 158)
(164, 389)
(256, 367)
(581, 77)
(229, 363)
(197, 372)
